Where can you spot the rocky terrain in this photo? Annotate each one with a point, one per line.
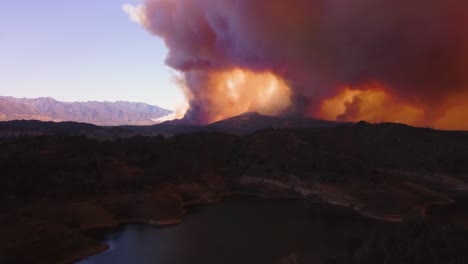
(57, 186)
(98, 113)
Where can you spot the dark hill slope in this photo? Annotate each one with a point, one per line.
(54, 188)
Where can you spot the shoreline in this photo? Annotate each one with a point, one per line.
(233, 195)
(167, 223)
(79, 256)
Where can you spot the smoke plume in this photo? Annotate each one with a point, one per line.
(381, 60)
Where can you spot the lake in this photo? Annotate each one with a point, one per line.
(240, 230)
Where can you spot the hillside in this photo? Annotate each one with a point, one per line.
(244, 124)
(250, 122)
(59, 186)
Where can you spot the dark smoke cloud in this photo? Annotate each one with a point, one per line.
(417, 49)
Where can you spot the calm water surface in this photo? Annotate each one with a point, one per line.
(239, 231)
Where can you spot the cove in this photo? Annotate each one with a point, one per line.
(241, 230)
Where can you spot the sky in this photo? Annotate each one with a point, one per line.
(80, 50)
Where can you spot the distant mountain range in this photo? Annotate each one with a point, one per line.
(98, 113)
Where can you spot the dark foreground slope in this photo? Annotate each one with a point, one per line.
(55, 187)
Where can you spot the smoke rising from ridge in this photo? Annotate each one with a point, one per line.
(390, 54)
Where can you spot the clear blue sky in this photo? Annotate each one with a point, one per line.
(79, 50)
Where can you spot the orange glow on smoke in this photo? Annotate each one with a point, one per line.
(374, 104)
(234, 92)
(455, 114)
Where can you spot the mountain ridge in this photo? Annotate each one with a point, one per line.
(93, 112)
(244, 124)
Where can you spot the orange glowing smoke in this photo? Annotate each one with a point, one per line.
(233, 92)
(373, 103)
(236, 56)
(455, 113)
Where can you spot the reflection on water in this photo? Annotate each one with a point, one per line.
(239, 231)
